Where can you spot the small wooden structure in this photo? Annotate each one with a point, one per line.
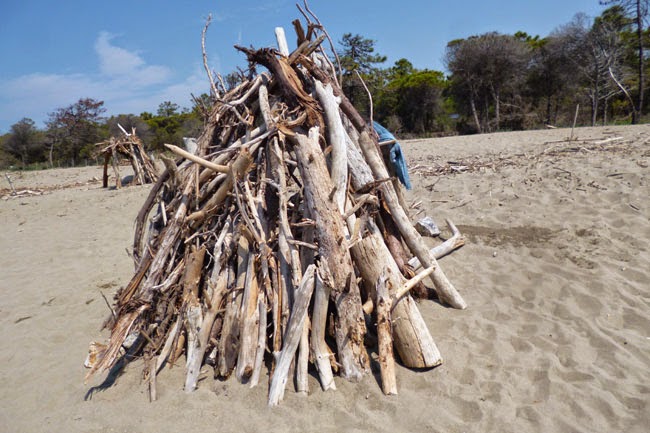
(128, 146)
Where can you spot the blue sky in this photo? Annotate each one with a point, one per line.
(135, 54)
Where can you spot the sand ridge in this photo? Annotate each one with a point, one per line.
(556, 336)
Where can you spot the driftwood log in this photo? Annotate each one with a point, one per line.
(280, 242)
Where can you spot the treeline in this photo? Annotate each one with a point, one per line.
(496, 82)
(71, 133)
(511, 82)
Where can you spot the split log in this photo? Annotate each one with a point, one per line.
(249, 315)
(230, 332)
(217, 287)
(261, 342)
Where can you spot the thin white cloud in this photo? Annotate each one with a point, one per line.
(124, 81)
(115, 60)
(117, 63)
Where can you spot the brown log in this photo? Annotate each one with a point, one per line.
(107, 158)
(413, 342)
(332, 247)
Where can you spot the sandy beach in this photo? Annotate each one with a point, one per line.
(555, 270)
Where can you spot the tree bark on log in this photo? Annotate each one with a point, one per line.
(249, 319)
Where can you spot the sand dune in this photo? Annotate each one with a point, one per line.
(556, 337)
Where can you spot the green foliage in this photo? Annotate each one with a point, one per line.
(167, 109)
(170, 126)
(24, 142)
(6, 159)
(486, 75)
(413, 100)
(71, 128)
(357, 56)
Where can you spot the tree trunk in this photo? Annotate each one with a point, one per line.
(636, 117)
(497, 109)
(477, 122)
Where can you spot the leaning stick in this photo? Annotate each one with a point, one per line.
(249, 323)
(336, 139)
(454, 242)
(261, 342)
(292, 336)
(204, 162)
(368, 306)
(320, 350)
(213, 86)
(446, 291)
(13, 190)
(194, 315)
(385, 337)
(413, 282)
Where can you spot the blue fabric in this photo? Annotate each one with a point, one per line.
(396, 157)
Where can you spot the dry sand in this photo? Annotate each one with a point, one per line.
(556, 337)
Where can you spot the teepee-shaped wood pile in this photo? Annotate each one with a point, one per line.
(279, 243)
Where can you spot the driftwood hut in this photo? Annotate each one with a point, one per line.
(281, 244)
(127, 147)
